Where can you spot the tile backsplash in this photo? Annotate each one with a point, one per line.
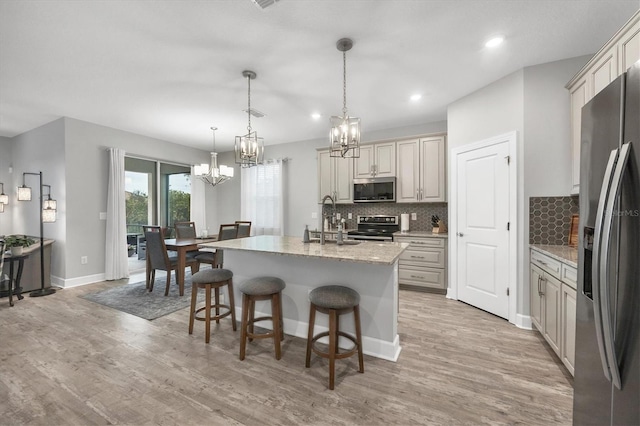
(550, 219)
(423, 211)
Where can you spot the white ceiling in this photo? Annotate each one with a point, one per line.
(171, 69)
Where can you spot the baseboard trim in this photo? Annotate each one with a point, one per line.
(76, 282)
(524, 321)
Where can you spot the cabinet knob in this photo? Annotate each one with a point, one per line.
(460, 234)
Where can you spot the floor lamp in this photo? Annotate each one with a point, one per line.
(47, 214)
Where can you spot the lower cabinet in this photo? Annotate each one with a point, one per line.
(423, 265)
(553, 304)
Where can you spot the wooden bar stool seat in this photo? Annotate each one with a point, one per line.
(261, 288)
(211, 279)
(334, 300)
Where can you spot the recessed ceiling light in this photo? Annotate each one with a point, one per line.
(416, 97)
(495, 41)
(315, 116)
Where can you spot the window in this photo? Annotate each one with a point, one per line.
(263, 198)
(153, 200)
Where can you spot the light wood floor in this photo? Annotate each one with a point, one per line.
(65, 360)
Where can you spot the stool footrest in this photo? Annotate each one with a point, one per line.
(338, 355)
(213, 317)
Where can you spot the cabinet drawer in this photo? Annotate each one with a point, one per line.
(421, 242)
(425, 277)
(548, 264)
(424, 257)
(569, 275)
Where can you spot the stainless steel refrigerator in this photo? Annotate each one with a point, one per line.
(607, 363)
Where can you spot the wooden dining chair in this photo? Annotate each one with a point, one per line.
(159, 259)
(244, 228)
(227, 231)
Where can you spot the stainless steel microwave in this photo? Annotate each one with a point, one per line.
(374, 190)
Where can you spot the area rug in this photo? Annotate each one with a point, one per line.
(136, 300)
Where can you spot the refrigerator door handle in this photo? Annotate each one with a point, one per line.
(595, 271)
(605, 302)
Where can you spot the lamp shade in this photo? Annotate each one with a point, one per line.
(24, 193)
(1, 207)
(48, 215)
(4, 198)
(50, 204)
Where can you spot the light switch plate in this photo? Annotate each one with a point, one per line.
(314, 215)
(349, 215)
(338, 216)
(103, 215)
(414, 216)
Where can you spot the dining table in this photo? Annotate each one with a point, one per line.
(182, 246)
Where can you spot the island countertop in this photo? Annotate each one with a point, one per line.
(385, 253)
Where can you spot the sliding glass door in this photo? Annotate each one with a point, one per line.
(156, 193)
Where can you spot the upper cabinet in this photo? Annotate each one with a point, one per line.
(377, 160)
(615, 57)
(421, 170)
(335, 177)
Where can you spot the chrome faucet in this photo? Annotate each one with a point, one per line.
(325, 215)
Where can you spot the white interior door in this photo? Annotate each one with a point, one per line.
(482, 193)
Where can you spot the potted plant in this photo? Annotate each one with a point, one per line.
(131, 249)
(17, 243)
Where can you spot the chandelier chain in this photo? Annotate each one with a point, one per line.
(249, 104)
(344, 83)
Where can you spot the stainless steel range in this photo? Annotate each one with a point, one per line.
(375, 227)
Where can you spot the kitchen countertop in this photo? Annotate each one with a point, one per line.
(420, 234)
(565, 254)
(384, 253)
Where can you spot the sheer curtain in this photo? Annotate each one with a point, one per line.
(198, 209)
(263, 197)
(116, 261)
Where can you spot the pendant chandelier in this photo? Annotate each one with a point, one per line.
(345, 130)
(249, 148)
(213, 175)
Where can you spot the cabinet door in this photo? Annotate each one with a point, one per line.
(603, 72)
(385, 159)
(552, 319)
(408, 174)
(535, 285)
(578, 99)
(568, 327)
(363, 165)
(630, 47)
(325, 177)
(432, 158)
(343, 180)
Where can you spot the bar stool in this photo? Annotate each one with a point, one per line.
(209, 279)
(334, 300)
(261, 288)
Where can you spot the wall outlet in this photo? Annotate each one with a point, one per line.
(84, 260)
(314, 215)
(414, 216)
(338, 216)
(349, 215)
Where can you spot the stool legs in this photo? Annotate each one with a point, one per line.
(334, 334)
(248, 320)
(208, 306)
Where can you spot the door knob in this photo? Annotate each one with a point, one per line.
(460, 234)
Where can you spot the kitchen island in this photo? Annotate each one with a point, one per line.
(370, 268)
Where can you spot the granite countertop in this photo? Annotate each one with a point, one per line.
(381, 253)
(565, 254)
(420, 234)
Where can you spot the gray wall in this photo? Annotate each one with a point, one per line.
(301, 178)
(534, 103)
(6, 221)
(80, 188)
